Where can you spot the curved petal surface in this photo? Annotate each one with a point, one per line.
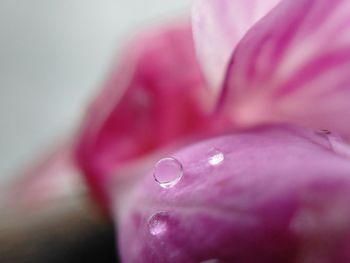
(218, 25)
(154, 97)
(277, 194)
(293, 66)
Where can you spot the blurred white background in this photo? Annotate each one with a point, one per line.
(53, 56)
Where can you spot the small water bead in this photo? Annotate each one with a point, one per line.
(216, 157)
(158, 223)
(168, 172)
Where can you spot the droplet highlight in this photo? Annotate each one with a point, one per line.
(158, 223)
(216, 157)
(168, 172)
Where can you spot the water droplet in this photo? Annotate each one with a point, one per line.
(168, 172)
(158, 223)
(216, 157)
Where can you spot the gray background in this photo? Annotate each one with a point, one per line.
(53, 56)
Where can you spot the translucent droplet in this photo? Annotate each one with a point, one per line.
(216, 157)
(158, 223)
(168, 172)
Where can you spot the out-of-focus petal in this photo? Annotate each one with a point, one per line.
(293, 66)
(47, 214)
(276, 194)
(51, 180)
(153, 98)
(218, 26)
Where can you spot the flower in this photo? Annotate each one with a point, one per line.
(279, 193)
(254, 169)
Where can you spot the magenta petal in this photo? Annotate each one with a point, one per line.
(293, 66)
(155, 97)
(218, 26)
(277, 194)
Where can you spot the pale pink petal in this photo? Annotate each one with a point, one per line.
(48, 182)
(293, 66)
(218, 26)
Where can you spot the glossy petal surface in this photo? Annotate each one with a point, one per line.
(280, 195)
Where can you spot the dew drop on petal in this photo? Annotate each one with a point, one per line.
(158, 223)
(216, 157)
(168, 172)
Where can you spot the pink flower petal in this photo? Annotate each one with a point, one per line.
(47, 182)
(218, 26)
(293, 66)
(155, 97)
(279, 194)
